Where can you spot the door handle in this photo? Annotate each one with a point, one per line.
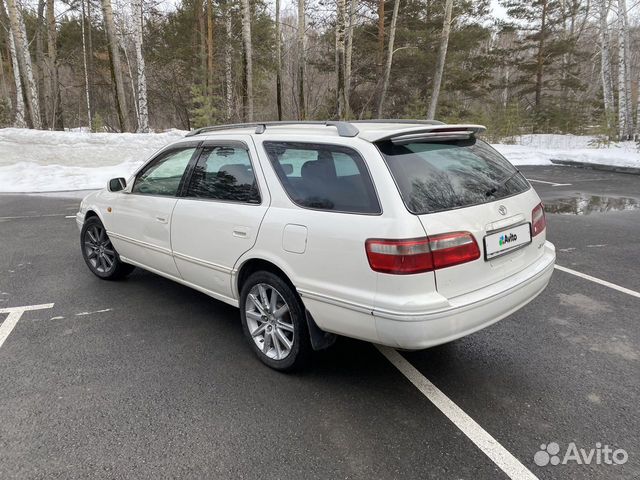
(161, 219)
(240, 232)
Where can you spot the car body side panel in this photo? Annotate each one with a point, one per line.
(332, 274)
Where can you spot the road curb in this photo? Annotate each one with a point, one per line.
(597, 166)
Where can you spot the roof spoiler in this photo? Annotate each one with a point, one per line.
(434, 133)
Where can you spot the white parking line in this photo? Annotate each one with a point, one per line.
(553, 184)
(628, 291)
(14, 315)
(485, 442)
(20, 217)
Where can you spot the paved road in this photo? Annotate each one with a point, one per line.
(148, 379)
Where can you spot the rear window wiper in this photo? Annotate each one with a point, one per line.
(493, 190)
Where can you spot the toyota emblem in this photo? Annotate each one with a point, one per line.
(502, 210)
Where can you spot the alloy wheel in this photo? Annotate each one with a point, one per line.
(98, 249)
(269, 321)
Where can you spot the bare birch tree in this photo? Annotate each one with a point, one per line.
(605, 62)
(349, 50)
(390, 51)
(248, 60)
(85, 65)
(54, 108)
(20, 119)
(116, 66)
(24, 61)
(138, 23)
(228, 62)
(302, 26)
(624, 81)
(380, 56)
(343, 108)
(442, 56)
(278, 62)
(209, 47)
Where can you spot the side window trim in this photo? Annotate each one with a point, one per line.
(188, 178)
(277, 168)
(160, 156)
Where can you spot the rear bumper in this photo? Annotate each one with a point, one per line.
(467, 313)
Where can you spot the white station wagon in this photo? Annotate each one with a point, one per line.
(403, 233)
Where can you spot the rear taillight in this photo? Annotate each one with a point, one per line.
(417, 255)
(538, 220)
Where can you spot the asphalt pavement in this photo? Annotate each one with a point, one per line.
(146, 378)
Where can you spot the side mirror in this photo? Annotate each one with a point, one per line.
(116, 184)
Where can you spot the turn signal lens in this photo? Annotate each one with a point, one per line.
(418, 255)
(538, 220)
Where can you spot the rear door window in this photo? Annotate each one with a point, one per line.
(444, 175)
(324, 177)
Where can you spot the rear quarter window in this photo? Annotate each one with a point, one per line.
(444, 175)
(324, 177)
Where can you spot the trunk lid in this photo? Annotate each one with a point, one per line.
(480, 221)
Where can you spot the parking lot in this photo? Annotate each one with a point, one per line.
(146, 378)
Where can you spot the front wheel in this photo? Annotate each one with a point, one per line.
(98, 252)
(274, 322)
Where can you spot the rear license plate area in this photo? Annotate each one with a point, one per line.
(506, 240)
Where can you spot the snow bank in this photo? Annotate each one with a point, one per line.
(43, 161)
(540, 149)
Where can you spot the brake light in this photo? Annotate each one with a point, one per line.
(418, 255)
(538, 220)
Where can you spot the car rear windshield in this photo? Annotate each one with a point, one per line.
(443, 175)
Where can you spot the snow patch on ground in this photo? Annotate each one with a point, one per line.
(43, 161)
(540, 149)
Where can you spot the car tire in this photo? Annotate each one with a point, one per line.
(276, 327)
(99, 253)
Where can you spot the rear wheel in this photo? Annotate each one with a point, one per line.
(274, 322)
(98, 252)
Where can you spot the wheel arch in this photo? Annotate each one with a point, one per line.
(255, 264)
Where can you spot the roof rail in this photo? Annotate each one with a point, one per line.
(401, 121)
(345, 129)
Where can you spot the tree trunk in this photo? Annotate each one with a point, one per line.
(228, 63)
(89, 52)
(540, 57)
(138, 25)
(127, 61)
(86, 69)
(442, 56)
(202, 48)
(209, 47)
(387, 67)
(20, 120)
(605, 61)
(24, 61)
(43, 69)
(380, 57)
(624, 90)
(3, 80)
(278, 62)
(343, 109)
(5, 20)
(55, 109)
(248, 60)
(302, 25)
(116, 67)
(349, 52)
